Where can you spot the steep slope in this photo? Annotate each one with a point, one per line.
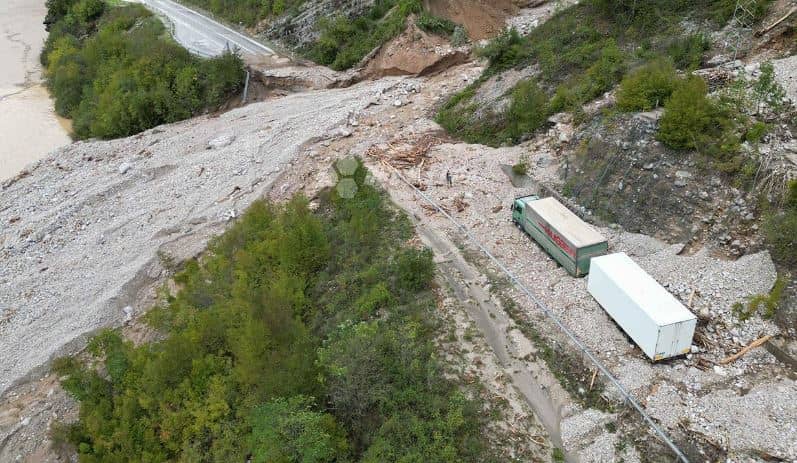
(82, 230)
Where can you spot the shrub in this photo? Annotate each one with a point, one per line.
(756, 132)
(504, 51)
(290, 430)
(459, 37)
(769, 302)
(647, 87)
(767, 90)
(434, 24)
(687, 53)
(415, 269)
(521, 167)
(688, 118)
(597, 79)
(528, 109)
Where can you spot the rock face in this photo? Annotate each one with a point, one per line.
(665, 193)
(80, 231)
(300, 30)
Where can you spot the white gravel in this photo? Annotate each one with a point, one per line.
(80, 232)
(786, 75)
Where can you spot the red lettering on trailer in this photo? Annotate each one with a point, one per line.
(558, 240)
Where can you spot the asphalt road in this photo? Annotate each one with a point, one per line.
(203, 35)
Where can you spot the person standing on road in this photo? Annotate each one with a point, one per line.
(448, 178)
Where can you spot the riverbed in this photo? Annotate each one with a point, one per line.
(29, 127)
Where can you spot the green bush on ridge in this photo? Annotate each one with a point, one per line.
(584, 50)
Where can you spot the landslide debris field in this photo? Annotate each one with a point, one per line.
(90, 233)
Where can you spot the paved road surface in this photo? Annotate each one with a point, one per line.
(203, 35)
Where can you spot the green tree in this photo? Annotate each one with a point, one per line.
(767, 89)
(290, 431)
(688, 116)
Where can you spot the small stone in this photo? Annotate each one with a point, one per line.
(679, 183)
(128, 311)
(124, 167)
(682, 174)
(221, 141)
(397, 103)
(720, 371)
(704, 195)
(694, 349)
(648, 166)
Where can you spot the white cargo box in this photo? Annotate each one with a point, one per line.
(660, 325)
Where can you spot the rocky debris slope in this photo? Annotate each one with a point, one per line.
(683, 394)
(82, 230)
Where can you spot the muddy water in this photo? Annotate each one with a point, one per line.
(29, 127)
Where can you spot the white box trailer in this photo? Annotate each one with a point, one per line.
(660, 325)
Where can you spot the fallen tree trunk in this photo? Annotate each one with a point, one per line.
(773, 25)
(746, 349)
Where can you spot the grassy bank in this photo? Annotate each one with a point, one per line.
(115, 71)
(579, 54)
(299, 336)
(344, 41)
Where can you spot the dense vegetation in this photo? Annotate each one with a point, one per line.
(246, 12)
(582, 52)
(115, 71)
(298, 337)
(344, 41)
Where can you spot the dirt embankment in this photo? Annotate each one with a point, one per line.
(480, 19)
(414, 52)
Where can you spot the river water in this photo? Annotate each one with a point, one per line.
(29, 127)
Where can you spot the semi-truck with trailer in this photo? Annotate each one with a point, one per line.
(564, 236)
(652, 317)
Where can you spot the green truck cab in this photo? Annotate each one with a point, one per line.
(564, 236)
